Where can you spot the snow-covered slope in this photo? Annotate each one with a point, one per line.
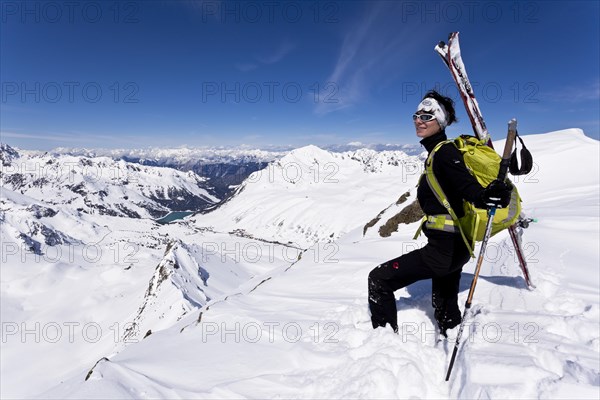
(76, 287)
(299, 326)
(313, 195)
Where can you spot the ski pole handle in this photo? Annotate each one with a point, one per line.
(508, 146)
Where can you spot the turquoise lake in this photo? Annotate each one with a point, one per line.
(173, 216)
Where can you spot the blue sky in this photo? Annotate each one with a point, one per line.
(262, 73)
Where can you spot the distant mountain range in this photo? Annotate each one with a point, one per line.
(222, 169)
(104, 185)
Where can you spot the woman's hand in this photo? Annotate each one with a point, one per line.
(496, 194)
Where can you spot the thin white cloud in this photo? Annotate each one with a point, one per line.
(277, 54)
(52, 137)
(576, 93)
(274, 56)
(245, 67)
(371, 54)
(74, 137)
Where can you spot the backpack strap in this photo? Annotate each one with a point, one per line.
(435, 187)
(439, 222)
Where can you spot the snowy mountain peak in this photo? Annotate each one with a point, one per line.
(303, 197)
(576, 136)
(7, 154)
(307, 154)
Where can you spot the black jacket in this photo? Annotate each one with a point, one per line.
(452, 174)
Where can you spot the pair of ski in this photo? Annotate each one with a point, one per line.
(451, 56)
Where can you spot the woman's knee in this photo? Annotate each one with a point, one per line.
(380, 272)
(374, 275)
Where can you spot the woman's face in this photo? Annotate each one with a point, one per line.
(426, 128)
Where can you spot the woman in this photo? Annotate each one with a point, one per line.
(445, 253)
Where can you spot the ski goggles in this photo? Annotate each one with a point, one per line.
(423, 117)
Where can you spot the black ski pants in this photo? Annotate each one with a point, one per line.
(440, 260)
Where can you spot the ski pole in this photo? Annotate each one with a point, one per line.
(512, 129)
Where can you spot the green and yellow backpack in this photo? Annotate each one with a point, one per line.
(483, 163)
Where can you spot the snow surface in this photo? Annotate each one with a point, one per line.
(236, 311)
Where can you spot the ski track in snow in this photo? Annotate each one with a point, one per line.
(301, 329)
